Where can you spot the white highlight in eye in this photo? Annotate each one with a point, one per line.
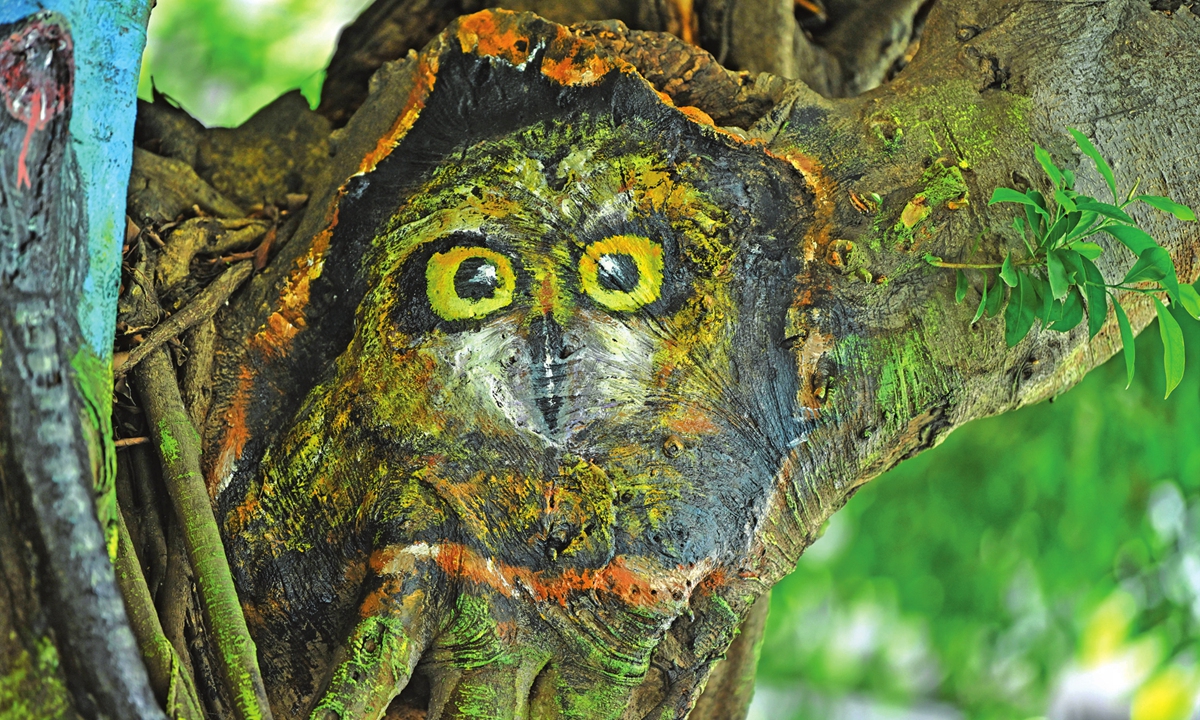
(608, 265)
(485, 273)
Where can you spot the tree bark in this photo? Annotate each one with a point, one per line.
(65, 627)
(884, 362)
(369, 580)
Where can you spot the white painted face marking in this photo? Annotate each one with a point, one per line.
(493, 374)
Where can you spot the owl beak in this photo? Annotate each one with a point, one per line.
(548, 356)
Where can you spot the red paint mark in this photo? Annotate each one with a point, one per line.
(36, 80)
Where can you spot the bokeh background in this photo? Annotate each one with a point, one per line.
(1042, 564)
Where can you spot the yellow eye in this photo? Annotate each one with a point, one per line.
(466, 283)
(622, 272)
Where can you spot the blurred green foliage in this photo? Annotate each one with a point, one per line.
(222, 60)
(973, 574)
(1062, 535)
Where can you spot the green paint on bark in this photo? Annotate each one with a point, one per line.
(379, 663)
(93, 380)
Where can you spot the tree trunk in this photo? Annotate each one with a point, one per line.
(65, 641)
(856, 358)
(725, 271)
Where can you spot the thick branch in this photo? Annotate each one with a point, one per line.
(178, 448)
(861, 357)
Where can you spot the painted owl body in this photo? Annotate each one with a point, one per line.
(542, 386)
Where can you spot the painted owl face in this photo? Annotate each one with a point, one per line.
(548, 351)
(575, 315)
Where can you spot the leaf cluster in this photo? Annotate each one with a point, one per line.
(1056, 281)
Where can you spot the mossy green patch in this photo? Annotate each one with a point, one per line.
(33, 687)
(942, 185)
(169, 445)
(954, 116)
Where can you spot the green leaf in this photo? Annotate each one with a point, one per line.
(1073, 219)
(1087, 218)
(1071, 261)
(1183, 212)
(932, 259)
(1097, 297)
(1035, 223)
(1043, 301)
(1190, 300)
(1126, 341)
(1131, 237)
(1007, 272)
(1003, 195)
(1033, 201)
(995, 300)
(1069, 177)
(1039, 204)
(960, 286)
(1056, 311)
(1064, 200)
(1089, 250)
(1072, 312)
(1057, 272)
(1101, 165)
(1154, 264)
(1018, 318)
(1048, 165)
(1172, 340)
(1149, 266)
(1056, 231)
(1111, 211)
(983, 300)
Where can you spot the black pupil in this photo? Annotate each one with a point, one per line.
(476, 279)
(617, 273)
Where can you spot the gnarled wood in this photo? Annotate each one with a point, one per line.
(883, 362)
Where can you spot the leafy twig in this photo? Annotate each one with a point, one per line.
(1058, 276)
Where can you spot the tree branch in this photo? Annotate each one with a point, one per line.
(866, 361)
(178, 448)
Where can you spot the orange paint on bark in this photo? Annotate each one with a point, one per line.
(694, 423)
(381, 599)
(573, 71)
(423, 81)
(823, 189)
(236, 434)
(497, 33)
(814, 347)
(275, 337)
(545, 294)
(712, 581)
(616, 578)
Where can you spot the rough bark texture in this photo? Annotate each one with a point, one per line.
(883, 362)
(379, 558)
(849, 49)
(61, 604)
